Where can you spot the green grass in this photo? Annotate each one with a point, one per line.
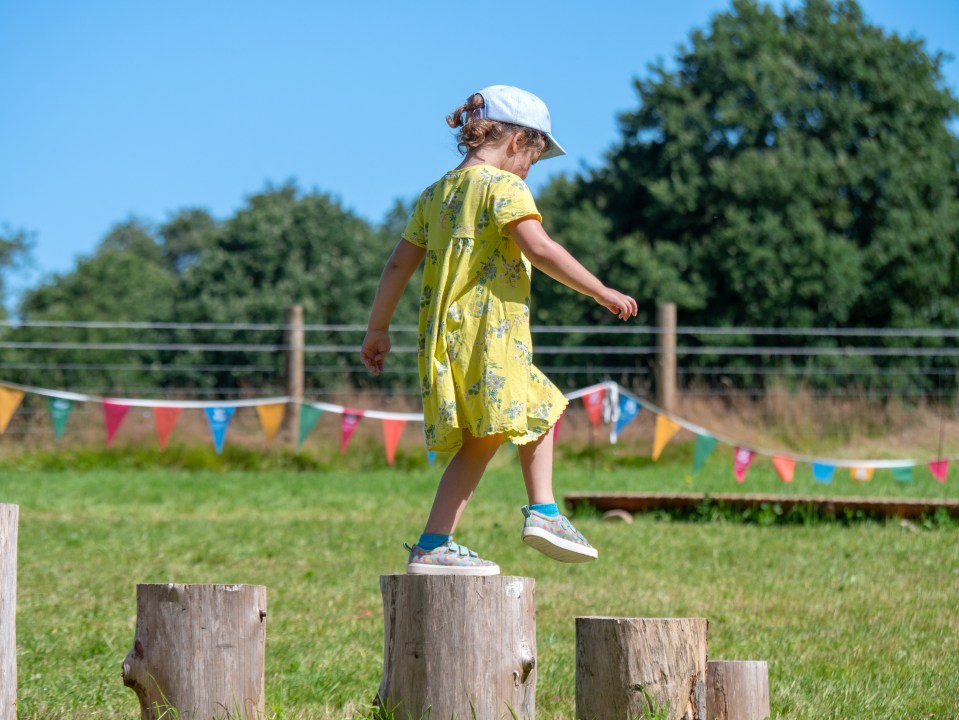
(855, 620)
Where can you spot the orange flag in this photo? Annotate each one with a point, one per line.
(392, 429)
(271, 417)
(862, 474)
(785, 467)
(665, 429)
(165, 418)
(10, 400)
(594, 405)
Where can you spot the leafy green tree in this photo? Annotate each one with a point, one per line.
(14, 250)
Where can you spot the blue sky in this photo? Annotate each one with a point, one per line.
(116, 109)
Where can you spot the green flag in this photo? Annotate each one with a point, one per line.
(902, 474)
(59, 412)
(308, 417)
(704, 446)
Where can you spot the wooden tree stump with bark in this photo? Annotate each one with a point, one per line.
(737, 690)
(458, 646)
(9, 515)
(640, 668)
(198, 650)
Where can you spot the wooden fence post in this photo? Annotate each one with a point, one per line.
(637, 667)
(295, 342)
(666, 358)
(198, 651)
(458, 646)
(737, 690)
(9, 516)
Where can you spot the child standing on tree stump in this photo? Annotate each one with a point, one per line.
(480, 232)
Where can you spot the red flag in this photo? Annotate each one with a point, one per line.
(559, 421)
(785, 468)
(939, 470)
(741, 460)
(594, 405)
(392, 429)
(165, 418)
(113, 414)
(348, 422)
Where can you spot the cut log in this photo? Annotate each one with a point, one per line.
(640, 668)
(737, 690)
(198, 651)
(9, 515)
(458, 646)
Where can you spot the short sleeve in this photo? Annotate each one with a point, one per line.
(417, 229)
(511, 200)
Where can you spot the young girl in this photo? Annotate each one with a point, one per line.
(480, 232)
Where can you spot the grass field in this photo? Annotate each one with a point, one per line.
(856, 620)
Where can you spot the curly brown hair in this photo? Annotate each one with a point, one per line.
(475, 131)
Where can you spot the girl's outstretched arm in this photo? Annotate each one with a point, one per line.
(556, 261)
(399, 269)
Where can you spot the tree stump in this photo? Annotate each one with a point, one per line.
(737, 690)
(9, 515)
(458, 646)
(639, 667)
(198, 650)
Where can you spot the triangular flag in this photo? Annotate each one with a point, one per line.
(939, 469)
(785, 468)
(113, 414)
(10, 400)
(861, 474)
(704, 448)
(392, 429)
(902, 474)
(308, 417)
(271, 417)
(431, 457)
(348, 422)
(59, 413)
(165, 418)
(628, 410)
(219, 420)
(741, 461)
(559, 421)
(665, 429)
(822, 473)
(594, 405)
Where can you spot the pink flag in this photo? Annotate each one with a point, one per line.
(785, 468)
(939, 470)
(113, 414)
(392, 429)
(348, 422)
(741, 461)
(594, 405)
(165, 418)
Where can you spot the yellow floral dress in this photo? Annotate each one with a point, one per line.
(475, 351)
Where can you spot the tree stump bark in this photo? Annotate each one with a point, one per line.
(9, 515)
(199, 650)
(458, 646)
(639, 667)
(737, 690)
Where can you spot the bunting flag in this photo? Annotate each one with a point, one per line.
(219, 420)
(559, 421)
(271, 417)
(10, 400)
(594, 405)
(665, 430)
(939, 470)
(348, 422)
(861, 474)
(392, 430)
(742, 459)
(431, 457)
(60, 409)
(902, 474)
(165, 418)
(823, 472)
(113, 414)
(705, 444)
(785, 468)
(628, 410)
(309, 415)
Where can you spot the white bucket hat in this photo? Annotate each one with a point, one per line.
(513, 105)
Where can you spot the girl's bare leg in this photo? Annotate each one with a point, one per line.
(536, 459)
(459, 481)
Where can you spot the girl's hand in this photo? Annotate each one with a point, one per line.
(623, 306)
(375, 348)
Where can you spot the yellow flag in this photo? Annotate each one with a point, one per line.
(665, 429)
(271, 416)
(9, 402)
(862, 474)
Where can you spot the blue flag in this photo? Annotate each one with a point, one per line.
(219, 419)
(823, 473)
(628, 410)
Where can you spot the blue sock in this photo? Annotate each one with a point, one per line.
(431, 541)
(548, 509)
